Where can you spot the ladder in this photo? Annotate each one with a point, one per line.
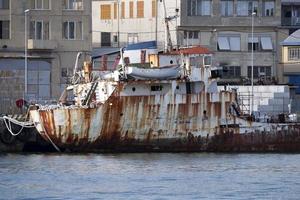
(88, 97)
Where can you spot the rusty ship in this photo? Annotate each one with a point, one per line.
(169, 103)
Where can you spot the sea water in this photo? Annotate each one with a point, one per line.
(150, 176)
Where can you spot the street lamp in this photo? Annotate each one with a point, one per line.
(26, 63)
(252, 57)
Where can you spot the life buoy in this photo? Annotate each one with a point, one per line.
(6, 137)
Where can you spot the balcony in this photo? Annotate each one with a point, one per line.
(290, 21)
(293, 68)
(42, 44)
(290, 13)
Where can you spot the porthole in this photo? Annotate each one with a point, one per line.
(133, 89)
(177, 87)
(171, 61)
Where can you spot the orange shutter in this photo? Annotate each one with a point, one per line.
(154, 8)
(123, 10)
(131, 9)
(115, 10)
(105, 12)
(140, 9)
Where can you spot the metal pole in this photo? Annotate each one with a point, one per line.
(156, 20)
(26, 63)
(252, 57)
(118, 23)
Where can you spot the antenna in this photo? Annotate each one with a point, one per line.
(168, 46)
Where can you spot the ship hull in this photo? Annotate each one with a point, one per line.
(162, 123)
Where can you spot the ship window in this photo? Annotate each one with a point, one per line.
(207, 60)
(171, 61)
(156, 88)
(177, 87)
(133, 89)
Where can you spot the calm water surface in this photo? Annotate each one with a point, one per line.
(150, 176)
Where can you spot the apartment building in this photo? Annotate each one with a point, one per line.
(225, 26)
(55, 30)
(290, 62)
(121, 22)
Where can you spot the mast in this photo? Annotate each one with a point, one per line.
(168, 44)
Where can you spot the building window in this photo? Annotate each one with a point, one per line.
(246, 7)
(268, 8)
(199, 7)
(131, 9)
(4, 4)
(132, 38)
(262, 43)
(115, 38)
(115, 10)
(229, 43)
(123, 10)
(73, 4)
(256, 43)
(40, 4)
(231, 72)
(266, 43)
(294, 54)
(191, 34)
(105, 12)
(259, 71)
(72, 30)
(140, 9)
(4, 29)
(227, 7)
(39, 30)
(154, 8)
(105, 39)
(66, 75)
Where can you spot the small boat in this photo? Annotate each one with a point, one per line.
(155, 73)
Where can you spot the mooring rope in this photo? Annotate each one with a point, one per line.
(53, 144)
(8, 120)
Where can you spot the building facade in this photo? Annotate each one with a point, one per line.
(117, 23)
(290, 21)
(225, 27)
(55, 32)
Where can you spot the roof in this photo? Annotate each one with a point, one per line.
(142, 45)
(292, 40)
(192, 50)
(98, 52)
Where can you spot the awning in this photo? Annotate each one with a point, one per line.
(235, 43)
(266, 43)
(223, 43)
(255, 39)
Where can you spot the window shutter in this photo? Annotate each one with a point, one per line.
(140, 9)
(105, 12)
